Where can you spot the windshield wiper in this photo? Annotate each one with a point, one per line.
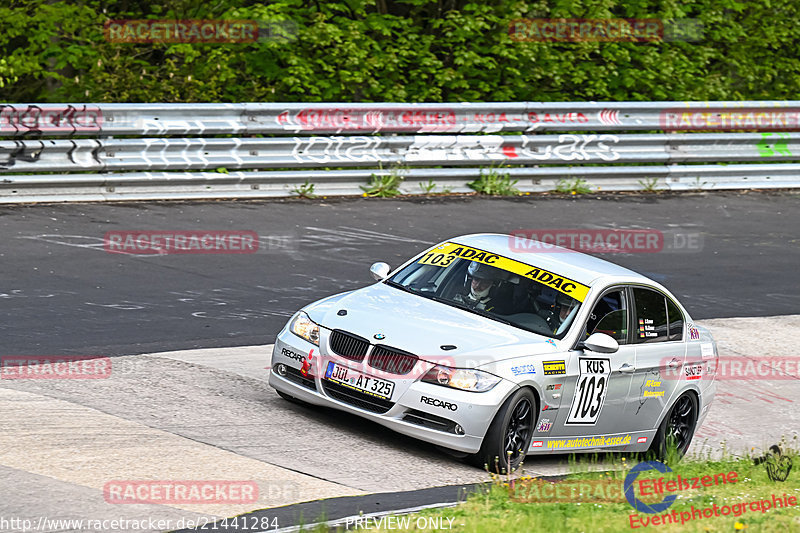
(406, 288)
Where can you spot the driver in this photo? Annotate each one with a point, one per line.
(481, 280)
(565, 306)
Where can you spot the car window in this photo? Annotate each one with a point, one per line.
(675, 317)
(610, 316)
(651, 316)
(493, 286)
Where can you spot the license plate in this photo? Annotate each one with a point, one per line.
(379, 388)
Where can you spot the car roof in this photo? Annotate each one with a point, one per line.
(586, 269)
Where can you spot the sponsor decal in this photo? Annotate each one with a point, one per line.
(560, 283)
(554, 386)
(523, 369)
(552, 368)
(707, 349)
(590, 392)
(537, 444)
(652, 393)
(552, 342)
(778, 465)
(436, 402)
(544, 425)
(641, 440)
(693, 371)
(292, 355)
(694, 333)
(646, 328)
(589, 442)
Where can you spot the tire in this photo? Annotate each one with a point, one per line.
(678, 425)
(511, 429)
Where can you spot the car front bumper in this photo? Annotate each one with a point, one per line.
(444, 416)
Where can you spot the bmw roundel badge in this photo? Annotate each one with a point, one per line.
(379, 336)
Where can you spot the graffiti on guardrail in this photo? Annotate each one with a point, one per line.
(772, 144)
(33, 119)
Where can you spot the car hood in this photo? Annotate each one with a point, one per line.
(421, 326)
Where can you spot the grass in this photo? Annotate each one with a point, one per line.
(494, 183)
(305, 190)
(494, 509)
(385, 185)
(576, 186)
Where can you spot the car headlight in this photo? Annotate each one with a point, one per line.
(461, 378)
(305, 328)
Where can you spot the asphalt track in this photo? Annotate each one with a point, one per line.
(61, 293)
(207, 414)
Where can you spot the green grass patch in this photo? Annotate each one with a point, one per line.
(516, 504)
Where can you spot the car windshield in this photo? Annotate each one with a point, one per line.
(499, 288)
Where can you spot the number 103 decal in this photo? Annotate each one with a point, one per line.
(590, 391)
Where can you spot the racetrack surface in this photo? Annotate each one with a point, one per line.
(169, 413)
(63, 294)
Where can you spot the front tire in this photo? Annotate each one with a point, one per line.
(510, 431)
(677, 429)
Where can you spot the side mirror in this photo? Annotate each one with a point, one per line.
(380, 271)
(601, 343)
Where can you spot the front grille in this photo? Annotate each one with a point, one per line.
(430, 421)
(392, 360)
(356, 398)
(348, 345)
(293, 374)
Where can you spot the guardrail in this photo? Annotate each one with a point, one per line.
(68, 152)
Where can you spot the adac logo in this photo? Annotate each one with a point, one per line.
(379, 336)
(636, 503)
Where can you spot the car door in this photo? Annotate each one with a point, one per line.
(597, 385)
(660, 352)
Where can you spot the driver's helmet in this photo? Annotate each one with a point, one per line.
(482, 278)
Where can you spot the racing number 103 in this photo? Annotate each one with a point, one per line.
(441, 260)
(590, 391)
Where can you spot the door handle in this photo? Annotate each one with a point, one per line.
(628, 369)
(674, 363)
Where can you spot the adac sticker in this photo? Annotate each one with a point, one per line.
(562, 284)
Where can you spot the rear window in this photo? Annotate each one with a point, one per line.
(651, 316)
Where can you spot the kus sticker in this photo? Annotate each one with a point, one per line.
(552, 368)
(544, 425)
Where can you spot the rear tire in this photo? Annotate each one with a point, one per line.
(677, 428)
(510, 431)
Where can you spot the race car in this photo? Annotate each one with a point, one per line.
(487, 349)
